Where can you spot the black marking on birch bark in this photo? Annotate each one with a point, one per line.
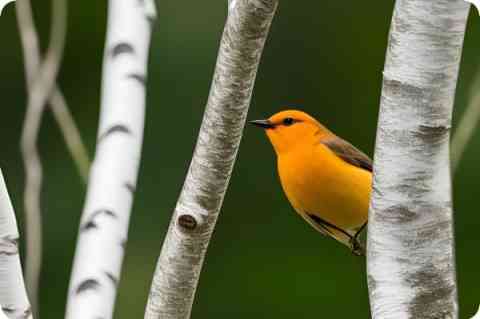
(432, 134)
(27, 313)
(397, 88)
(151, 18)
(107, 212)
(8, 309)
(431, 302)
(118, 128)
(417, 185)
(9, 245)
(88, 284)
(372, 283)
(121, 48)
(140, 78)
(130, 187)
(187, 222)
(112, 278)
(8, 253)
(123, 243)
(88, 226)
(91, 224)
(398, 214)
(433, 232)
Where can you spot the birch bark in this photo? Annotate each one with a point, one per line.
(111, 187)
(180, 262)
(411, 262)
(13, 296)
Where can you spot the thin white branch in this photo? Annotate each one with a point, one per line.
(37, 97)
(13, 296)
(180, 262)
(411, 264)
(105, 219)
(467, 124)
(57, 101)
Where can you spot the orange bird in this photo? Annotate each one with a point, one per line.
(326, 179)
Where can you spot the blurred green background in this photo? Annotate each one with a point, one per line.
(325, 57)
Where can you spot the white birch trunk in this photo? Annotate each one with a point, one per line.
(111, 187)
(180, 262)
(13, 296)
(411, 262)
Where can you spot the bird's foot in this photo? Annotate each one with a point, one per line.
(356, 248)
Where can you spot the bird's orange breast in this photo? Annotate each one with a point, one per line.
(318, 182)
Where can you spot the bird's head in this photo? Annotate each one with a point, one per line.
(291, 128)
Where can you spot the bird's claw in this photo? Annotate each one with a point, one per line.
(356, 248)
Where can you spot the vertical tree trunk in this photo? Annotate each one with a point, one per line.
(13, 296)
(178, 268)
(411, 262)
(105, 219)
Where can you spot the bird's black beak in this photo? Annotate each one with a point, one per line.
(266, 124)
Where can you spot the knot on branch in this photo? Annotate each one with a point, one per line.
(187, 222)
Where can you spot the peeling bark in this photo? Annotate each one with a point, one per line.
(180, 262)
(13, 296)
(105, 218)
(411, 262)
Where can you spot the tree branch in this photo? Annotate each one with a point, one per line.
(13, 296)
(57, 102)
(111, 188)
(194, 218)
(411, 265)
(37, 97)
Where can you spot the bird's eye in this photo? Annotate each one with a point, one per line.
(288, 121)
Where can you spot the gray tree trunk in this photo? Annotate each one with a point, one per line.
(411, 262)
(178, 268)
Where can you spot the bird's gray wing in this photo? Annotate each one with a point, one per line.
(348, 152)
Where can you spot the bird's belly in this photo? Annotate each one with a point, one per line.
(338, 195)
